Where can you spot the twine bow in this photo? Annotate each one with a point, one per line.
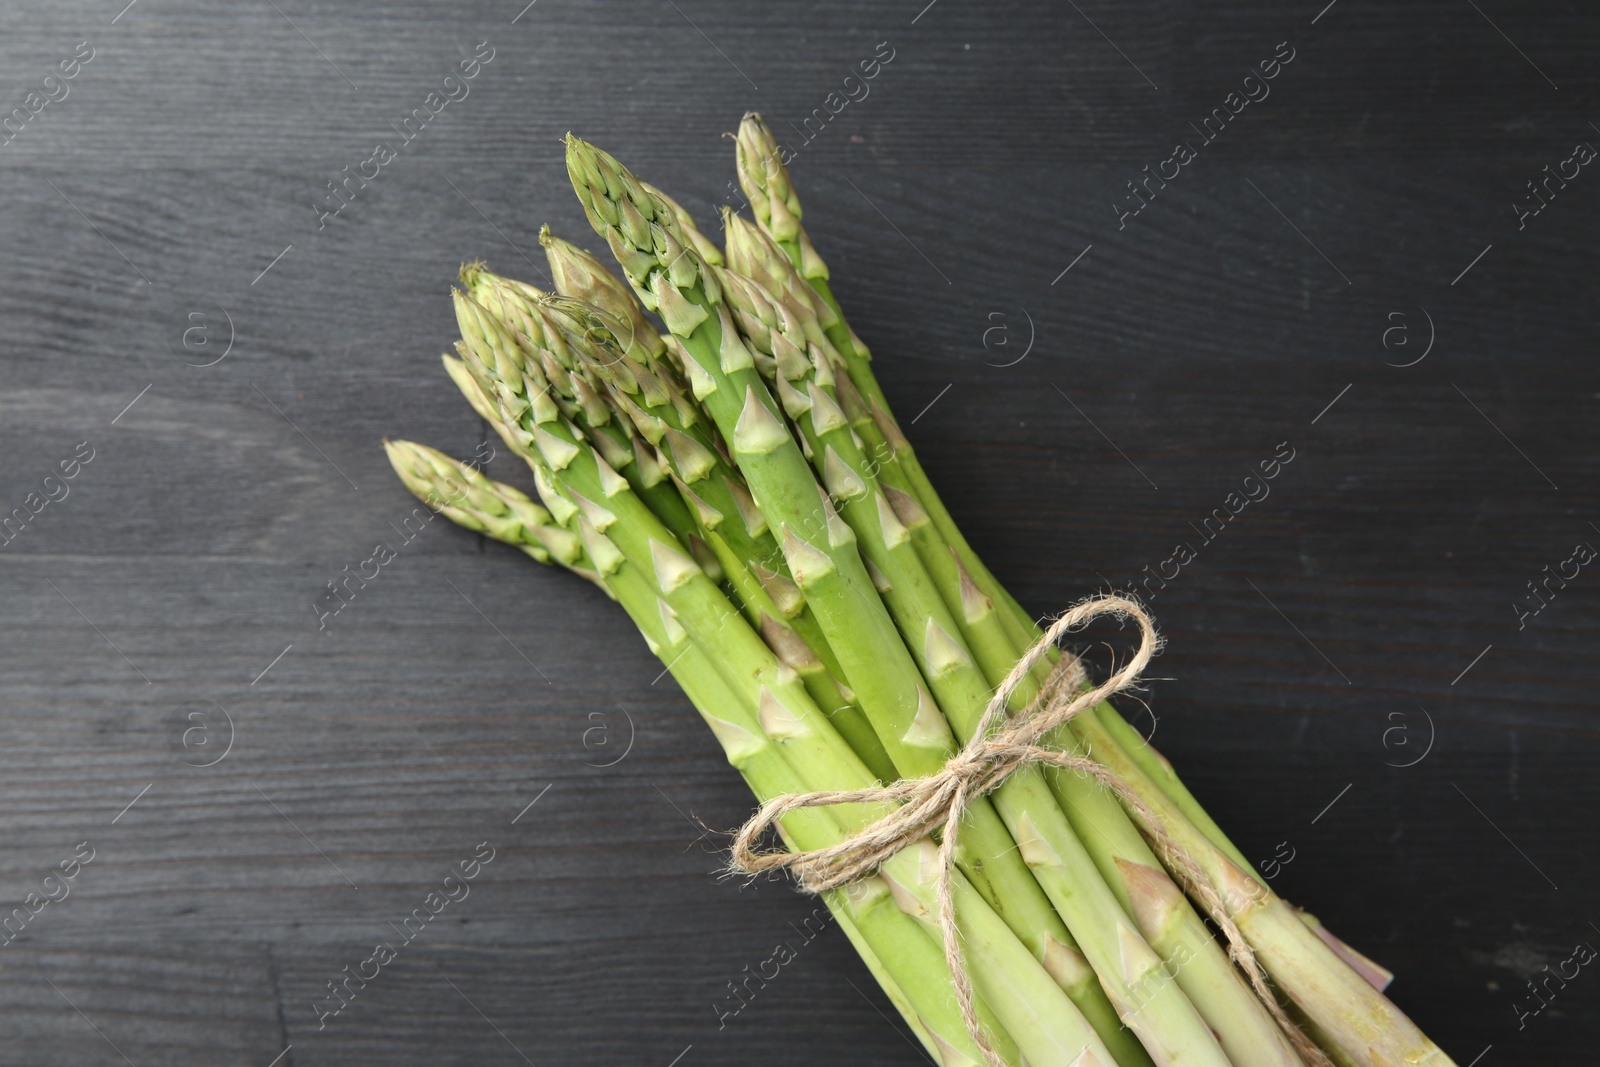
(995, 752)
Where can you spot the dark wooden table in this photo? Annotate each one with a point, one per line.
(1339, 273)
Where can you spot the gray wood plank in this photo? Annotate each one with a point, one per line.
(172, 591)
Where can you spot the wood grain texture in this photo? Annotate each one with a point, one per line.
(172, 591)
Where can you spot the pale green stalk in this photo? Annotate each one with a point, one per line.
(1355, 1017)
(1160, 770)
(730, 522)
(618, 533)
(906, 962)
(1168, 1026)
(1300, 951)
(1247, 1033)
(672, 279)
(705, 502)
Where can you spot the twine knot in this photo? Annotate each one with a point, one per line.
(999, 747)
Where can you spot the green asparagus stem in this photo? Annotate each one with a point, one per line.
(672, 279)
(914, 973)
(730, 523)
(1078, 979)
(1190, 956)
(1235, 1018)
(761, 171)
(618, 530)
(741, 487)
(1016, 995)
(1064, 958)
(765, 181)
(1355, 1017)
(1160, 770)
(676, 282)
(1158, 1011)
(1249, 1035)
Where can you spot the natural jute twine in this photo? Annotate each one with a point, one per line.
(996, 751)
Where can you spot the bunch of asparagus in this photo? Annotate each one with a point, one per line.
(738, 484)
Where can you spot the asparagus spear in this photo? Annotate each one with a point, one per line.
(1248, 1034)
(669, 277)
(1133, 976)
(752, 252)
(1170, 1024)
(765, 181)
(1161, 771)
(617, 530)
(647, 537)
(766, 184)
(914, 974)
(728, 521)
(1358, 1019)
(1077, 979)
